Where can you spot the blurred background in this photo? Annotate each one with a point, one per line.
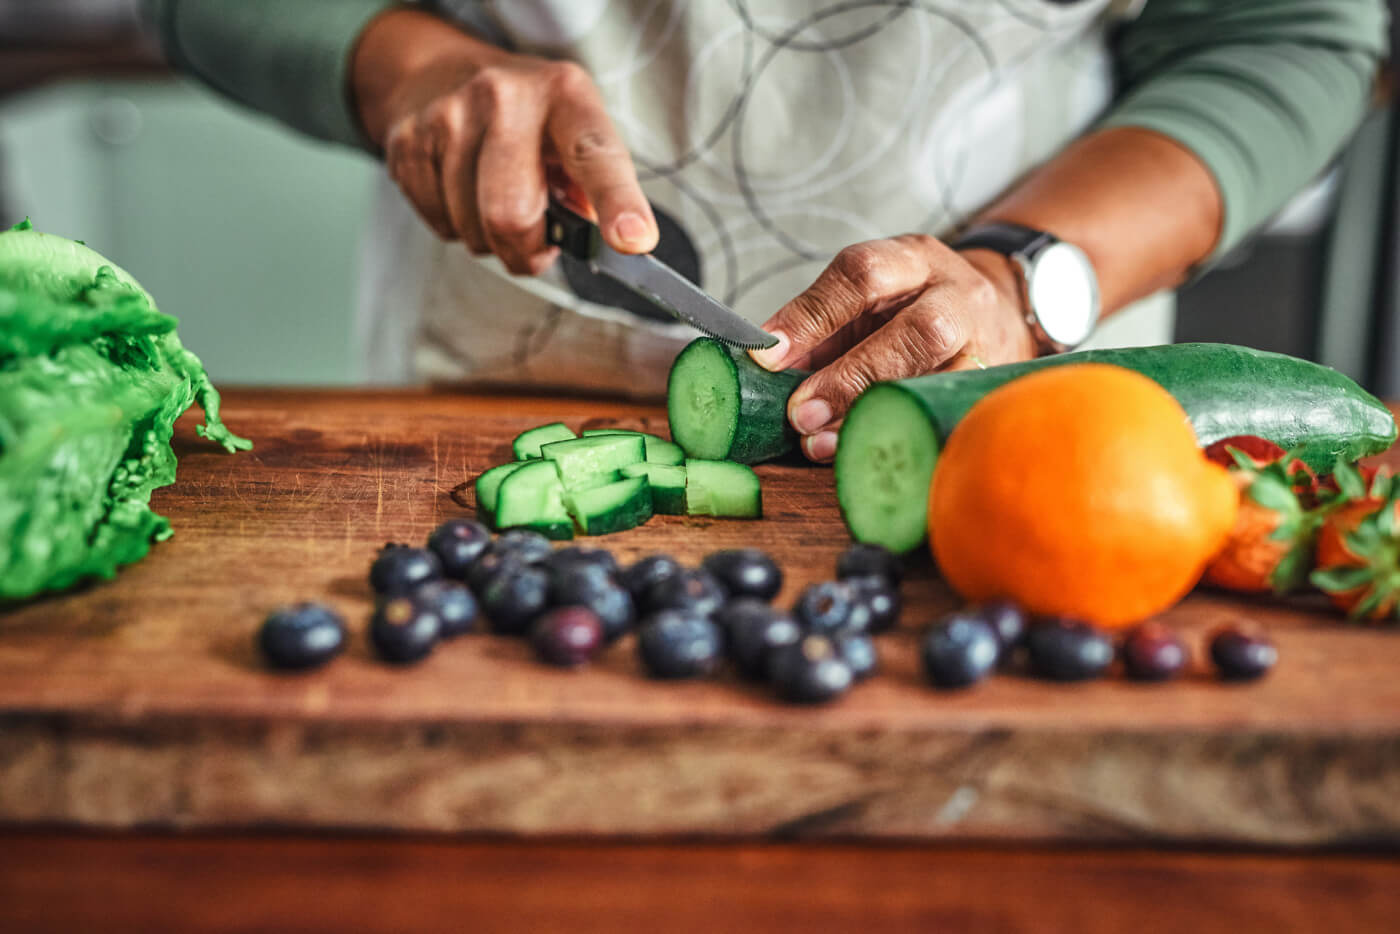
(241, 228)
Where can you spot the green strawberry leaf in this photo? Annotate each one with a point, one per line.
(1385, 519)
(1242, 460)
(1368, 605)
(1341, 579)
(1349, 480)
(1272, 493)
(1291, 571)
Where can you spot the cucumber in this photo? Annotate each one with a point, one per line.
(585, 457)
(722, 488)
(527, 443)
(723, 406)
(667, 482)
(533, 498)
(659, 450)
(615, 507)
(890, 438)
(488, 484)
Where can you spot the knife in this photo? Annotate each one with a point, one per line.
(650, 278)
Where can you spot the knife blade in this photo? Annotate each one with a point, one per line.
(650, 278)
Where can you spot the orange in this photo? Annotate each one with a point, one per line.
(1078, 491)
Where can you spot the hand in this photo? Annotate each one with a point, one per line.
(469, 131)
(891, 309)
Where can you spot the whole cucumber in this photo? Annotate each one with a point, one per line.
(889, 441)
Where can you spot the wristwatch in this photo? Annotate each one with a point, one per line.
(1059, 289)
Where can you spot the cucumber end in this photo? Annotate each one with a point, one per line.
(702, 400)
(884, 462)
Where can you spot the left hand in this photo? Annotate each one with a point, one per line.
(891, 309)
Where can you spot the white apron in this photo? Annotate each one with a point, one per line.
(773, 133)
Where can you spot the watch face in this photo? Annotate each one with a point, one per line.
(1064, 293)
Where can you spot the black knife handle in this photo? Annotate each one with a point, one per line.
(571, 232)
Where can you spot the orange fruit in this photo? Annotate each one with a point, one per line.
(1078, 491)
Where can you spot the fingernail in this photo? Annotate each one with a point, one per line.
(633, 230)
(771, 358)
(811, 415)
(822, 446)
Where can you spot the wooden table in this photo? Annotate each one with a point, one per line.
(138, 707)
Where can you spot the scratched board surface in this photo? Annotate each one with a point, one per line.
(142, 701)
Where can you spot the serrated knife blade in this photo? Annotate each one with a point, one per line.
(652, 279)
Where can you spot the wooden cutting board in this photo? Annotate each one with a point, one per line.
(142, 702)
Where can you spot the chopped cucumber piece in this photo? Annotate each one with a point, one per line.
(667, 483)
(589, 481)
(722, 488)
(527, 443)
(659, 450)
(533, 498)
(884, 462)
(723, 406)
(584, 457)
(488, 484)
(615, 507)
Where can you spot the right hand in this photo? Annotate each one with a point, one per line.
(474, 136)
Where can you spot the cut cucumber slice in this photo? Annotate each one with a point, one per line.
(589, 481)
(659, 450)
(585, 457)
(722, 488)
(533, 498)
(488, 484)
(527, 443)
(884, 462)
(667, 486)
(615, 507)
(723, 406)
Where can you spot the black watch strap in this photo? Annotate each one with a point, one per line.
(1006, 239)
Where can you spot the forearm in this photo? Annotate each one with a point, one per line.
(287, 59)
(1143, 208)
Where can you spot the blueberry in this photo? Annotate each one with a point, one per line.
(586, 585)
(399, 569)
(679, 644)
(653, 568)
(1241, 656)
(695, 591)
(514, 598)
(745, 572)
(403, 630)
(575, 555)
(567, 637)
(302, 636)
(453, 603)
(488, 567)
(810, 671)
(876, 605)
(458, 543)
(529, 546)
(858, 652)
(1008, 621)
(826, 607)
(754, 629)
(1068, 650)
(866, 560)
(959, 650)
(1152, 652)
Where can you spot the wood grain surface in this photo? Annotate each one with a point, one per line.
(141, 702)
(60, 884)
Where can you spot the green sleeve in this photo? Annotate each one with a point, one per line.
(1264, 92)
(287, 58)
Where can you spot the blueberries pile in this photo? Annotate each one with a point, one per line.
(967, 646)
(571, 603)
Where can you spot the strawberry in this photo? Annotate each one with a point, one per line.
(1358, 549)
(1270, 547)
(1260, 452)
